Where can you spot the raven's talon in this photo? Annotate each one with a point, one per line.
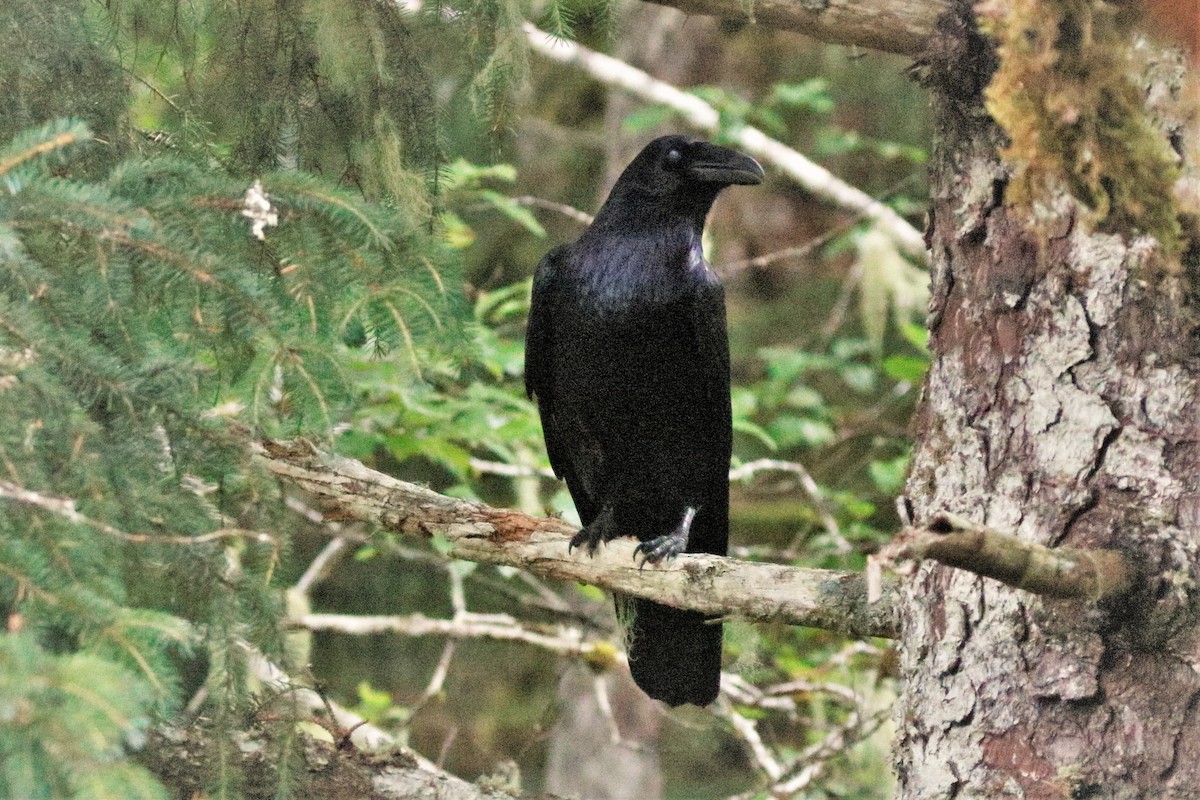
(661, 549)
(600, 529)
(581, 539)
(666, 547)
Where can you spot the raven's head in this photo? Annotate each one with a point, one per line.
(684, 174)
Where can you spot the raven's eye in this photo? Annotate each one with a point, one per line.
(674, 157)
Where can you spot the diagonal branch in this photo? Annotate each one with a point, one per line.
(346, 489)
(702, 116)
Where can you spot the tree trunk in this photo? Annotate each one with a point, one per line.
(1063, 404)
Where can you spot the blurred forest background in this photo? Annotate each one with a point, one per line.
(418, 161)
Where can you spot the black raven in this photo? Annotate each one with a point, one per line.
(627, 355)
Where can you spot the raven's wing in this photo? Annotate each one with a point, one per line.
(539, 358)
(675, 655)
(712, 340)
(710, 534)
(539, 343)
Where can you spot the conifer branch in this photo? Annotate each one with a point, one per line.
(65, 508)
(46, 140)
(345, 489)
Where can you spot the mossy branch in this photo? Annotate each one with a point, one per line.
(1062, 572)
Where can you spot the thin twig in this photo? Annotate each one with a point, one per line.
(603, 703)
(438, 679)
(501, 627)
(808, 483)
(320, 566)
(837, 315)
(508, 470)
(161, 94)
(65, 508)
(798, 251)
(582, 217)
(458, 600)
(747, 731)
(793, 687)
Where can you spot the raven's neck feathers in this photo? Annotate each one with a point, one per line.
(643, 248)
(633, 207)
(630, 266)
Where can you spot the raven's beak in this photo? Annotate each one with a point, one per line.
(715, 164)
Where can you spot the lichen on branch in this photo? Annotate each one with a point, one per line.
(347, 490)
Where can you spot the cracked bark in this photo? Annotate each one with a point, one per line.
(1063, 404)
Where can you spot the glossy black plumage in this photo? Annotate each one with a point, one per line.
(628, 358)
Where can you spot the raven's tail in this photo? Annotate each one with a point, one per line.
(674, 655)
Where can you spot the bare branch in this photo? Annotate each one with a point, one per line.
(570, 212)
(485, 467)
(440, 672)
(747, 731)
(894, 26)
(702, 116)
(321, 565)
(1053, 572)
(795, 252)
(500, 627)
(711, 584)
(810, 487)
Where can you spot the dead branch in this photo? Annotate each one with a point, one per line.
(346, 489)
(1061, 572)
(894, 26)
(368, 763)
(500, 627)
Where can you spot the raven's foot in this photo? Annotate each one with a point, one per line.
(602, 529)
(669, 546)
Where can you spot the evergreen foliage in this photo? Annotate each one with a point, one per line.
(157, 306)
(337, 89)
(139, 317)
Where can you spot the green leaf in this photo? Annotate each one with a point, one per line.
(756, 431)
(889, 476)
(906, 368)
(517, 213)
(810, 95)
(441, 544)
(590, 592)
(647, 118)
(789, 431)
(916, 334)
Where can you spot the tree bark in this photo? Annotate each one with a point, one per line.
(1063, 404)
